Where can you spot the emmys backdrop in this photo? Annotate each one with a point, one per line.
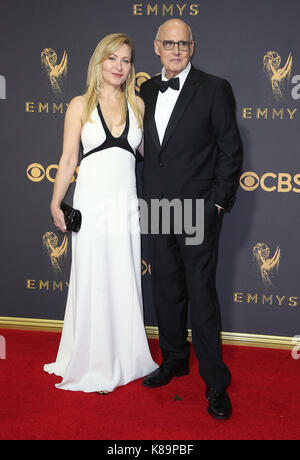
(45, 50)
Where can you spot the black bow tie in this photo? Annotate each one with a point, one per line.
(172, 83)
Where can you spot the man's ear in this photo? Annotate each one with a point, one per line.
(192, 48)
(156, 48)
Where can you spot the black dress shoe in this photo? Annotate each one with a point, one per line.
(166, 372)
(219, 404)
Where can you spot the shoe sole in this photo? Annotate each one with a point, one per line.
(219, 417)
(178, 374)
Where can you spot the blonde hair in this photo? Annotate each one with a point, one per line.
(107, 46)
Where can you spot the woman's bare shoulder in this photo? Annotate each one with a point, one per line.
(75, 107)
(77, 102)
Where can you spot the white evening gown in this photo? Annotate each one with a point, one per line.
(103, 343)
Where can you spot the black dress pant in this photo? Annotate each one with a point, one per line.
(184, 275)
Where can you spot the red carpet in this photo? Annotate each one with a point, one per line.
(264, 394)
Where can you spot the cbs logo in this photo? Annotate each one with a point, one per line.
(140, 78)
(270, 182)
(146, 268)
(36, 172)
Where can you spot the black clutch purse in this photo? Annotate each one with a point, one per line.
(72, 217)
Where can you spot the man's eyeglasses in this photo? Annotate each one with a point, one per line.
(169, 45)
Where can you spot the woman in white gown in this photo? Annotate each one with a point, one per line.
(103, 343)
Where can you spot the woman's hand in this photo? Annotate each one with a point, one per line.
(58, 219)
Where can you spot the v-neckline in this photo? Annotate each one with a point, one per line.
(105, 124)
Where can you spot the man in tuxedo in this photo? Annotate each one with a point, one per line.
(192, 150)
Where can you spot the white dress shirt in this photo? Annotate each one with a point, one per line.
(166, 102)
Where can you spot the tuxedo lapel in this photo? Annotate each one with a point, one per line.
(151, 113)
(185, 96)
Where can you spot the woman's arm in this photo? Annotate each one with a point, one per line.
(68, 160)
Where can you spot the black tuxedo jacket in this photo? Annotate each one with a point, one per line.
(201, 153)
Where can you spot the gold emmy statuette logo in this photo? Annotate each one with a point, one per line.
(140, 78)
(266, 264)
(276, 74)
(55, 71)
(55, 252)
